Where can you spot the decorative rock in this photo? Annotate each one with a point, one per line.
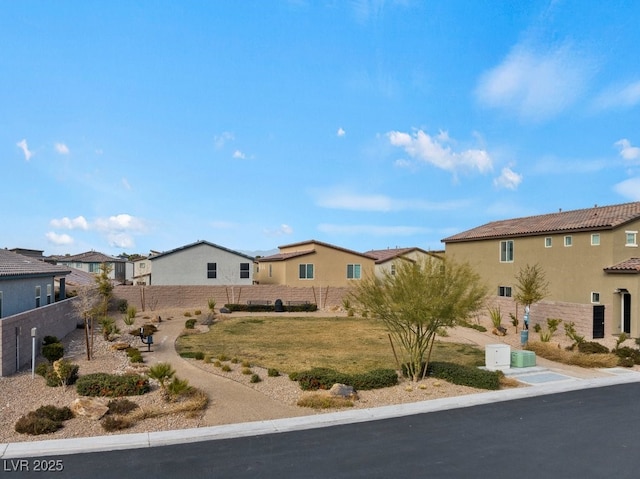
(93, 408)
(225, 310)
(344, 391)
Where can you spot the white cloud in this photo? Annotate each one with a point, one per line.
(121, 222)
(70, 224)
(627, 151)
(508, 179)
(625, 96)
(341, 132)
(437, 152)
(62, 148)
(629, 189)
(341, 199)
(221, 139)
(536, 85)
(22, 144)
(126, 184)
(239, 155)
(58, 239)
(282, 230)
(120, 240)
(372, 230)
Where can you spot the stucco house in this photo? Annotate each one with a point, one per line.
(90, 262)
(201, 263)
(27, 283)
(590, 258)
(387, 259)
(313, 263)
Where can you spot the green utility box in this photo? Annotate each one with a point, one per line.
(523, 359)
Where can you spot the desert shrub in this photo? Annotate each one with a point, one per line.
(112, 385)
(376, 379)
(147, 330)
(54, 413)
(109, 327)
(233, 360)
(323, 401)
(207, 358)
(307, 307)
(135, 356)
(217, 363)
(115, 423)
(34, 425)
(44, 420)
(199, 355)
(592, 347)
(591, 360)
(41, 369)
(197, 312)
(121, 406)
(628, 356)
(476, 326)
(130, 315)
(187, 314)
(226, 368)
(464, 375)
(65, 372)
(192, 354)
(324, 378)
(49, 340)
(273, 373)
(162, 372)
(255, 378)
(178, 387)
(122, 305)
(246, 371)
(190, 323)
(496, 317)
(246, 364)
(224, 357)
(53, 351)
(572, 334)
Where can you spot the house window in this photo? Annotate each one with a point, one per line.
(0, 304)
(595, 297)
(568, 240)
(393, 270)
(212, 270)
(504, 291)
(270, 271)
(353, 271)
(506, 251)
(48, 294)
(94, 267)
(306, 271)
(244, 270)
(595, 239)
(547, 242)
(632, 238)
(142, 266)
(38, 294)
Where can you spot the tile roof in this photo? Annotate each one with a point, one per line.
(198, 243)
(284, 256)
(589, 219)
(631, 265)
(327, 245)
(87, 257)
(383, 255)
(16, 265)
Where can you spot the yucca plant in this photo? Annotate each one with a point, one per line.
(162, 372)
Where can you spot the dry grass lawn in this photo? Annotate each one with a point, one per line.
(291, 343)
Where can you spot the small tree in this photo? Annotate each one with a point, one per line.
(531, 285)
(419, 300)
(85, 305)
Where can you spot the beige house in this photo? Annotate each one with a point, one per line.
(590, 257)
(313, 263)
(387, 259)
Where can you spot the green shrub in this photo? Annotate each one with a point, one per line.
(53, 351)
(464, 375)
(49, 340)
(112, 385)
(255, 378)
(161, 372)
(273, 373)
(246, 371)
(134, 354)
(324, 378)
(187, 314)
(65, 373)
(246, 364)
(122, 305)
(197, 312)
(41, 369)
(190, 323)
(630, 355)
(178, 387)
(199, 355)
(592, 347)
(226, 368)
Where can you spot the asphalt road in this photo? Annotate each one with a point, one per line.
(590, 433)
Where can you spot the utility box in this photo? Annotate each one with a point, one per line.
(497, 357)
(523, 359)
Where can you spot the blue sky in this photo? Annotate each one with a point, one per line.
(130, 126)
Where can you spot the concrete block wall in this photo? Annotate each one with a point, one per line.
(580, 314)
(57, 319)
(152, 298)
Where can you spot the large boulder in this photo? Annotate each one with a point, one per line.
(343, 391)
(93, 408)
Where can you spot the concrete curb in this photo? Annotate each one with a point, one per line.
(60, 447)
